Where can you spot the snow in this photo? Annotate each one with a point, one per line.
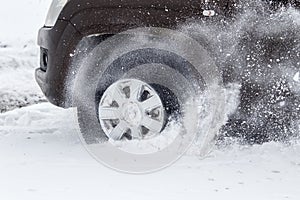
(17, 84)
(19, 52)
(41, 156)
(297, 77)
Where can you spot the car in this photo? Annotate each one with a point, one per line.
(129, 66)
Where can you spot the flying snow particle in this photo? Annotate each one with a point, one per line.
(209, 13)
(297, 77)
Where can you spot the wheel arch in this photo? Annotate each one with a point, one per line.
(80, 20)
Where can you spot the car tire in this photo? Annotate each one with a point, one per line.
(171, 64)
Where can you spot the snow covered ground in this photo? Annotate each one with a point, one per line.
(19, 22)
(41, 156)
(17, 86)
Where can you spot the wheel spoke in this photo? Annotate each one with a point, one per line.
(135, 91)
(108, 113)
(118, 132)
(118, 96)
(151, 124)
(136, 132)
(151, 103)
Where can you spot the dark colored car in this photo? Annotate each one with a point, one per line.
(130, 66)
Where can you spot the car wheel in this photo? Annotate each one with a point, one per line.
(132, 85)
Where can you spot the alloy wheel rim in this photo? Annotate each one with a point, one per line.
(131, 109)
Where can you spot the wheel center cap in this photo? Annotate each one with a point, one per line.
(132, 114)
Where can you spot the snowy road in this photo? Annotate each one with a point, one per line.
(41, 157)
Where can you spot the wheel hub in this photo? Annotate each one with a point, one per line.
(131, 109)
(132, 114)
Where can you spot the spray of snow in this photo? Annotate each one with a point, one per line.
(259, 51)
(152, 145)
(261, 81)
